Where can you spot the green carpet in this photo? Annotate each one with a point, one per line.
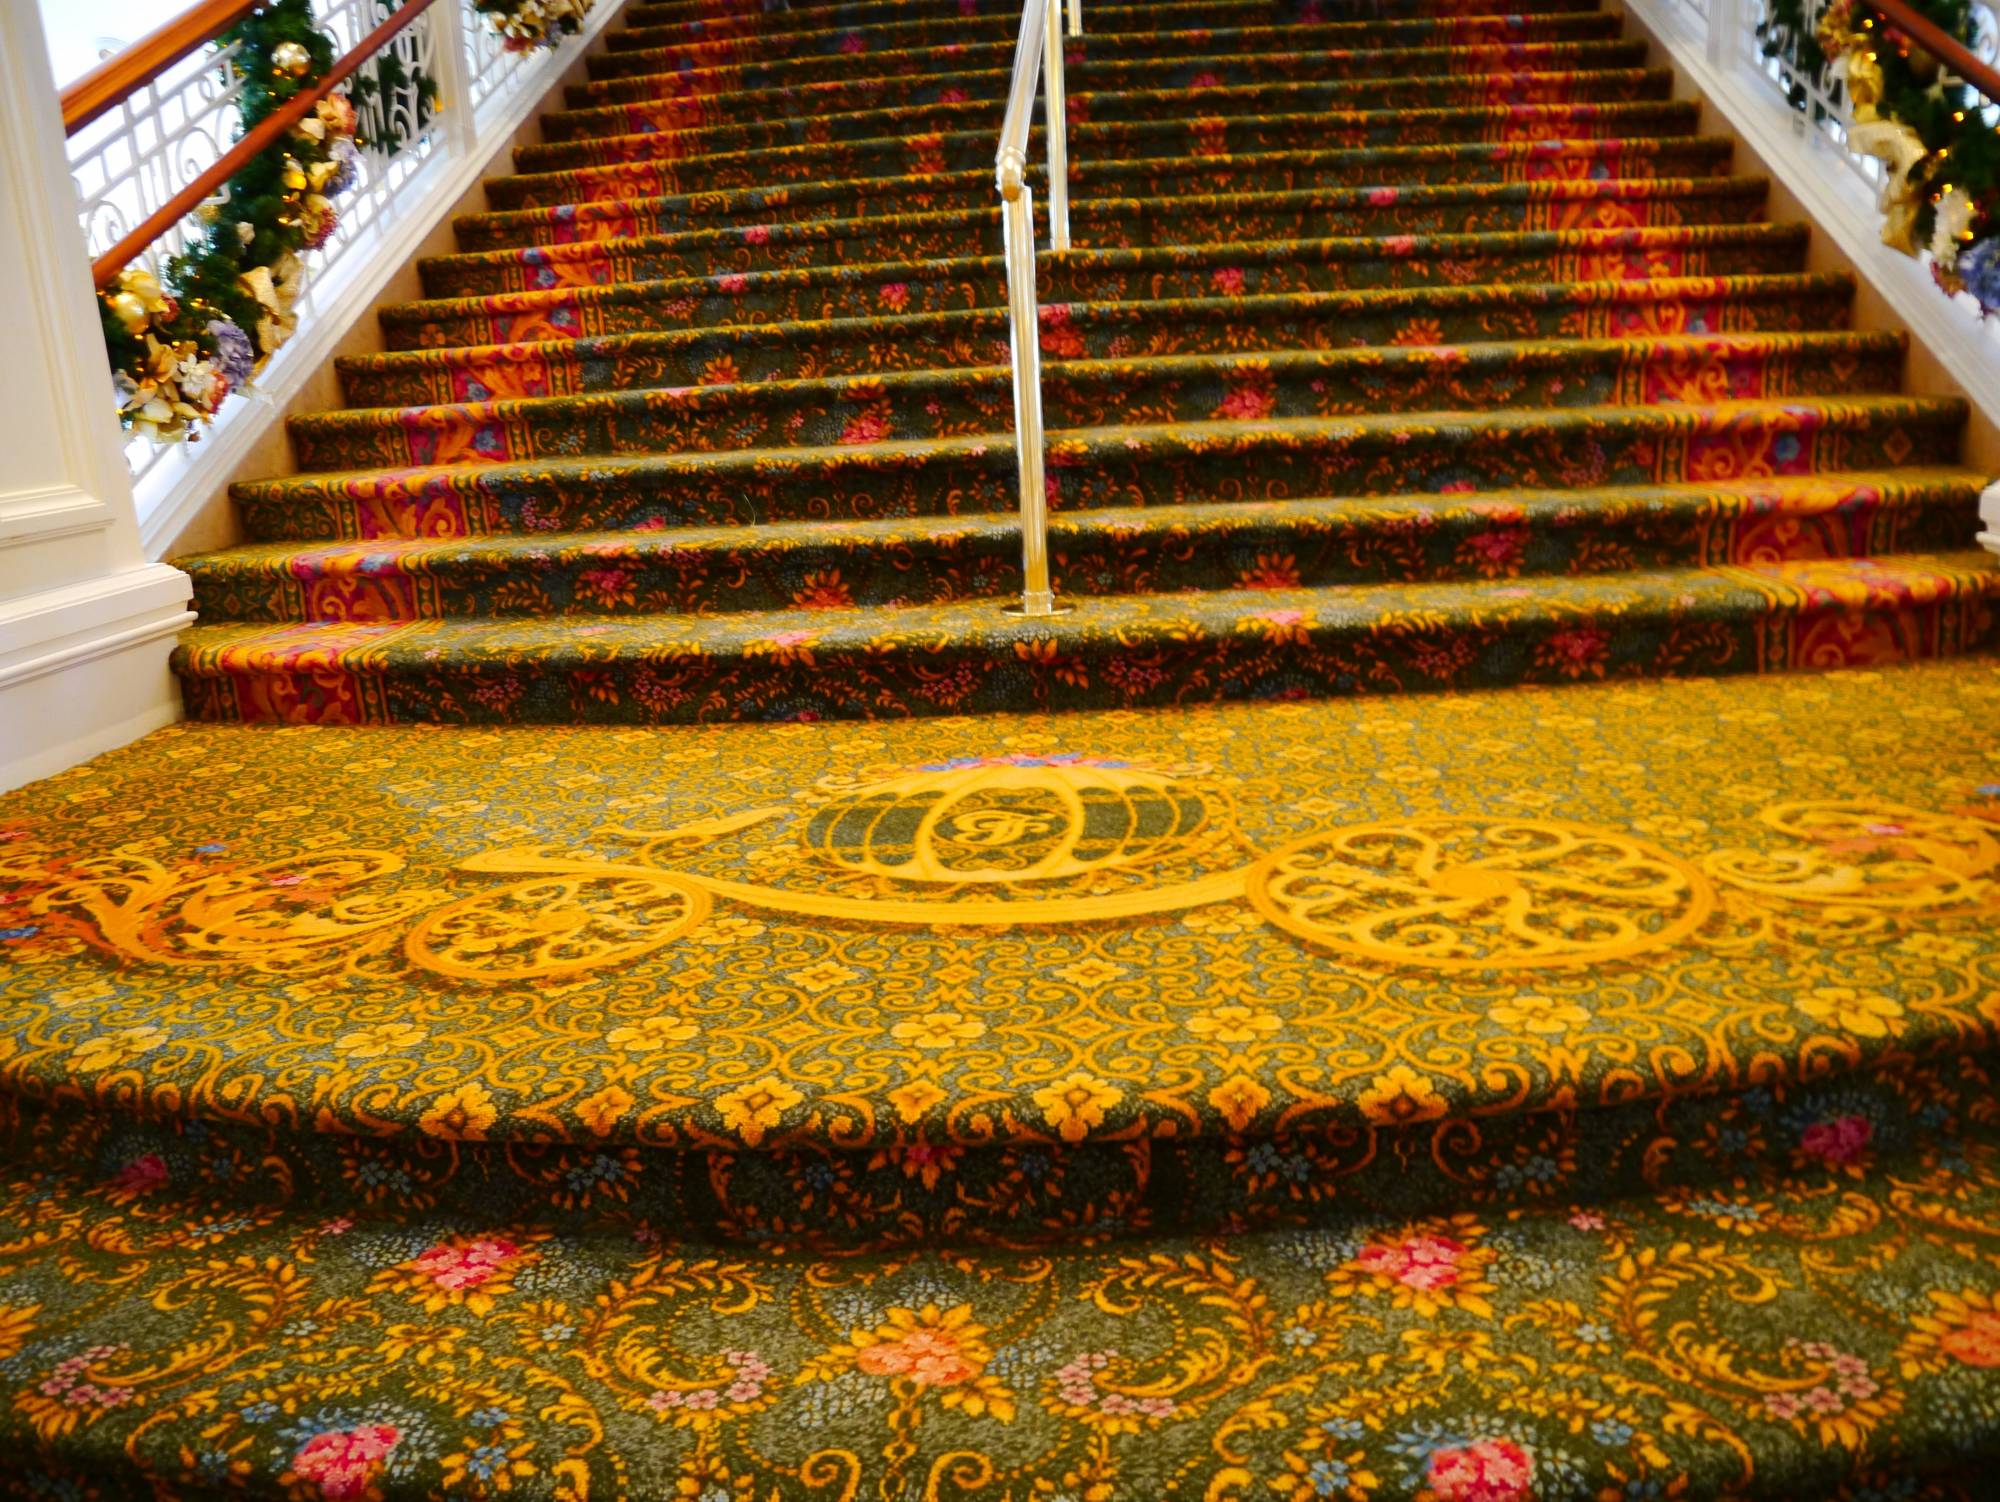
(1430, 346)
(1549, 1094)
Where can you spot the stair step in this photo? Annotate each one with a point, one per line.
(1204, 82)
(955, 46)
(928, 105)
(557, 292)
(1125, 26)
(1102, 330)
(1313, 544)
(773, 237)
(897, 177)
(800, 150)
(1370, 454)
(1125, 651)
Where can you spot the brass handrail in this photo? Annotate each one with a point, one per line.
(1038, 59)
(104, 270)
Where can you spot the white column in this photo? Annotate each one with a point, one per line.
(86, 621)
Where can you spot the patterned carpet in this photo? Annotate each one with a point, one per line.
(1565, 1094)
(1418, 345)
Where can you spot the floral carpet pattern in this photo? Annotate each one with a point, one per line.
(1545, 1094)
(1422, 345)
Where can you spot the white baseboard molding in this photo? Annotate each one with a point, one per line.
(83, 669)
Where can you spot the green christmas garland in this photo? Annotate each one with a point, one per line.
(1940, 154)
(181, 342)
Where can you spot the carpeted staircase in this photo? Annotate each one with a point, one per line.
(1424, 344)
(1583, 1093)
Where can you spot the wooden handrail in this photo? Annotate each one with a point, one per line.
(1951, 53)
(122, 75)
(104, 270)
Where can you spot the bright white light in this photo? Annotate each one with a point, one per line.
(82, 32)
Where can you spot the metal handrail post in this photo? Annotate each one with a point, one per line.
(1055, 109)
(1017, 218)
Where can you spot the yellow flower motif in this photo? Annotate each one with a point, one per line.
(1239, 1099)
(755, 1108)
(1090, 973)
(461, 1114)
(1233, 1024)
(651, 1033)
(1935, 947)
(914, 1099)
(600, 1112)
(728, 929)
(382, 1038)
(1076, 1104)
(109, 1050)
(1402, 1095)
(1539, 1014)
(1853, 1011)
(823, 977)
(1671, 827)
(938, 1030)
(1220, 919)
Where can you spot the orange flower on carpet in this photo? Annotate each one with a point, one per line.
(461, 1114)
(1076, 1104)
(1962, 1330)
(1399, 1096)
(1425, 1267)
(924, 1350)
(755, 1108)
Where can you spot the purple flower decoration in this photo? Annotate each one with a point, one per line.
(1978, 266)
(344, 153)
(235, 357)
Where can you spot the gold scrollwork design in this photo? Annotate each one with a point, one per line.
(1458, 894)
(1857, 854)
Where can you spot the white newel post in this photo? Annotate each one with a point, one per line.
(86, 622)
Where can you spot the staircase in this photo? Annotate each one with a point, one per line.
(1404, 347)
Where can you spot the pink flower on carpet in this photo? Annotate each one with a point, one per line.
(466, 1266)
(927, 1357)
(343, 1462)
(757, 234)
(1420, 1262)
(895, 296)
(1228, 279)
(1059, 334)
(853, 43)
(1380, 197)
(1489, 1470)
(868, 427)
(951, 96)
(142, 1175)
(1578, 652)
(1204, 81)
(732, 282)
(1838, 1142)
(1249, 400)
(1587, 1220)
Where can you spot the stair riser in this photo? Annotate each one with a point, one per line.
(560, 295)
(1559, 450)
(749, 38)
(1283, 656)
(780, 151)
(928, 405)
(906, 176)
(827, 85)
(1102, 331)
(1024, 1194)
(1345, 544)
(774, 240)
(952, 45)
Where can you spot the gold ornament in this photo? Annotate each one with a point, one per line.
(290, 58)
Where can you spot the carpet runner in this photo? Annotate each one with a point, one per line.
(1542, 1096)
(1420, 345)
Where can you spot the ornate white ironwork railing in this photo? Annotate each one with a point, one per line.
(1038, 61)
(420, 155)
